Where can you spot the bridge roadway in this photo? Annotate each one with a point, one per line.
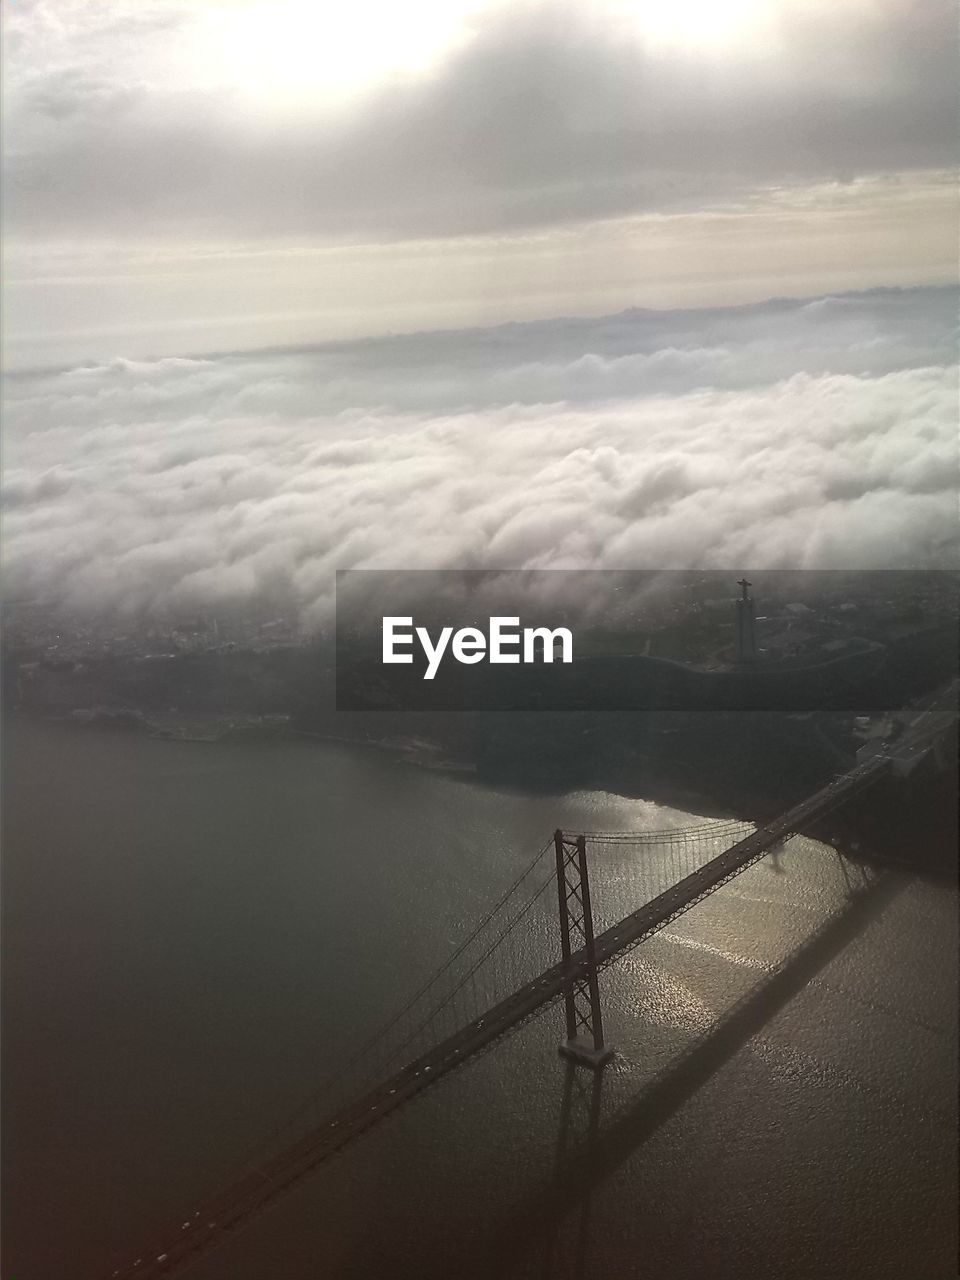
(219, 1217)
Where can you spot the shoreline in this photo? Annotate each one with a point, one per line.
(868, 835)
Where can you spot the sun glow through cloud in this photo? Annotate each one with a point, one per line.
(710, 25)
(294, 50)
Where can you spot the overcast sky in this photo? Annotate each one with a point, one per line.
(225, 174)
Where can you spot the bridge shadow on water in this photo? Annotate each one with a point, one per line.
(528, 1244)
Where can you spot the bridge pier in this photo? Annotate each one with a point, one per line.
(583, 1051)
(584, 1020)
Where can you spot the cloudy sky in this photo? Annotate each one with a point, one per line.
(691, 263)
(195, 175)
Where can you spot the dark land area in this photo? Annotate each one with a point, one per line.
(657, 708)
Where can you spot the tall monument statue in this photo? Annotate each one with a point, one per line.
(746, 629)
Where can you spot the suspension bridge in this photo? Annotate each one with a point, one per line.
(503, 974)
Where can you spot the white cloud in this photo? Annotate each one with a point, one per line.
(820, 434)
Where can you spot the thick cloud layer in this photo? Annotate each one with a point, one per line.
(800, 434)
(552, 111)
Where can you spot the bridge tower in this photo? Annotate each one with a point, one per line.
(584, 1042)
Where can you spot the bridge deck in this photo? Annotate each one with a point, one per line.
(213, 1222)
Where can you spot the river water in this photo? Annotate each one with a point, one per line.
(195, 933)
